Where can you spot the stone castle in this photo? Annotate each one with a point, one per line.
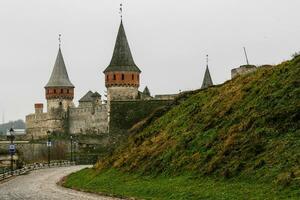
(93, 115)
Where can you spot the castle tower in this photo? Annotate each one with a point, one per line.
(38, 107)
(59, 89)
(207, 81)
(122, 76)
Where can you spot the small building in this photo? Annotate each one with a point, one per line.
(244, 69)
(17, 132)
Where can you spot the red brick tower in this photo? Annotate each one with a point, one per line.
(59, 89)
(122, 76)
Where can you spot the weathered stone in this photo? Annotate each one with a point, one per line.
(244, 69)
(91, 117)
(88, 120)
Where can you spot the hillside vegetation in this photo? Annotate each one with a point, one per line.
(250, 125)
(246, 130)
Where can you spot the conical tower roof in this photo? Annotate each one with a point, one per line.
(87, 97)
(96, 95)
(122, 59)
(207, 81)
(146, 91)
(59, 76)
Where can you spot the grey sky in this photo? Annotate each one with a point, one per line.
(169, 40)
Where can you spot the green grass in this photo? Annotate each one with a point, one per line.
(239, 140)
(113, 182)
(248, 127)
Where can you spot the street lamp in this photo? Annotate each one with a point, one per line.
(12, 149)
(49, 146)
(71, 139)
(74, 150)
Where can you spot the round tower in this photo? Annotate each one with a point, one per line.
(122, 76)
(59, 89)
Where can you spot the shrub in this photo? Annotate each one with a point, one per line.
(284, 179)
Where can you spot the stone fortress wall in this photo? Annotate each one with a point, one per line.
(122, 93)
(88, 120)
(58, 103)
(92, 118)
(37, 124)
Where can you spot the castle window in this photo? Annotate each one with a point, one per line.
(115, 77)
(61, 90)
(123, 76)
(68, 91)
(107, 77)
(132, 76)
(54, 91)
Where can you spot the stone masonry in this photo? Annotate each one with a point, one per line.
(91, 116)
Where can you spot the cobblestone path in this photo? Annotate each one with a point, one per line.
(41, 184)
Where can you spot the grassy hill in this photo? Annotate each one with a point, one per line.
(242, 137)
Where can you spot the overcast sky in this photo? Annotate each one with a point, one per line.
(168, 38)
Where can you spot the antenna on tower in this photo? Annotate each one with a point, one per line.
(206, 60)
(59, 40)
(121, 11)
(246, 56)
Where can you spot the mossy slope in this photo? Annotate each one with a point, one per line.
(248, 127)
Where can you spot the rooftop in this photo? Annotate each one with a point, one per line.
(122, 59)
(59, 76)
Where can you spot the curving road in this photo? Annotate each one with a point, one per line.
(41, 185)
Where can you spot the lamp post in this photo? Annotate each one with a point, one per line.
(71, 139)
(12, 149)
(48, 146)
(74, 150)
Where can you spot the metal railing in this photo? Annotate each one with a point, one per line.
(35, 166)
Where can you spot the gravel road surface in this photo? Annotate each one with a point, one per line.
(41, 184)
